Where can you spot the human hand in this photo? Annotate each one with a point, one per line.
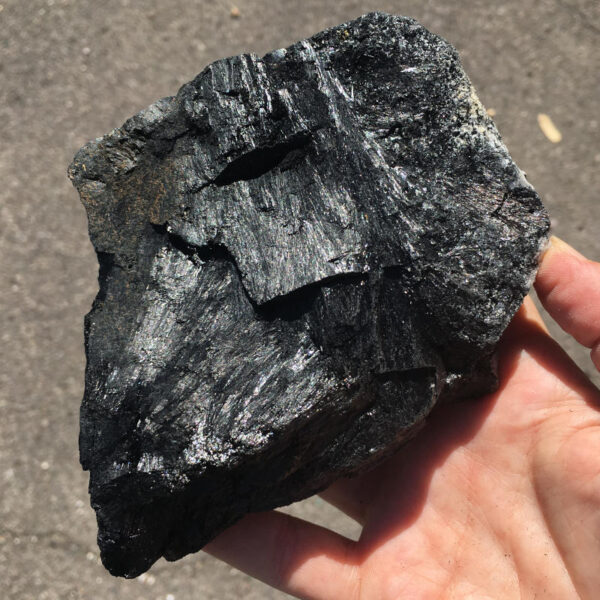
(495, 498)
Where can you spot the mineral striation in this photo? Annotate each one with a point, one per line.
(299, 255)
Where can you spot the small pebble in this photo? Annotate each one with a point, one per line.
(147, 579)
(235, 12)
(548, 128)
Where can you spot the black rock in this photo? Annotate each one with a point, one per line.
(299, 256)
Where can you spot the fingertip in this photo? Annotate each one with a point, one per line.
(557, 265)
(568, 286)
(559, 246)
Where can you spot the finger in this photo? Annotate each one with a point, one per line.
(568, 285)
(297, 557)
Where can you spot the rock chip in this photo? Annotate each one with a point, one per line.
(299, 255)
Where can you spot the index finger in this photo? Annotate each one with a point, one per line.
(568, 285)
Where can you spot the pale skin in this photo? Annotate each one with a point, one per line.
(497, 498)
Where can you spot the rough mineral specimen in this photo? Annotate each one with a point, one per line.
(299, 254)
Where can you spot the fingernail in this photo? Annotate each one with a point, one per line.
(561, 246)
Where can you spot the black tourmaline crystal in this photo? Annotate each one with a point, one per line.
(300, 255)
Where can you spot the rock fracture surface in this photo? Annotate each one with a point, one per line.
(300, 255)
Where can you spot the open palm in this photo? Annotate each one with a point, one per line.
(498, 498)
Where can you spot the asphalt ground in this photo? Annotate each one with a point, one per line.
(71, 71)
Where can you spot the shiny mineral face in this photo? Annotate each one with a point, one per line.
(299, 255)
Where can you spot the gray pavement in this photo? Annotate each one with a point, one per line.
(72, 70)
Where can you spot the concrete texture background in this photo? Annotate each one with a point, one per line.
(72, 70)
